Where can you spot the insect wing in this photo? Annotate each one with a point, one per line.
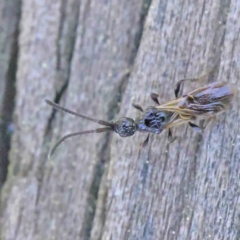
(216, 94)
(202, 102)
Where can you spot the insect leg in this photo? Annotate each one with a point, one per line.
(178, 85)
(171, 139)
(196, 127)
(200, 78)
(138, 107)
(215, 119)
(144, 144)
(204, 123)
(154, 97)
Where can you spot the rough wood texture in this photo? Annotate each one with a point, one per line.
(76, 53)
(101, 186)
(9, 24)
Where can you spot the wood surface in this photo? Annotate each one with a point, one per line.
(97, 57)
(9, 31)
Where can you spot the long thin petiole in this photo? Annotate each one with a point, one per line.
(55, 105)
(54, 147)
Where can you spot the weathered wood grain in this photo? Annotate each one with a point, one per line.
(78, 53)
(189, 189)
(9, 28)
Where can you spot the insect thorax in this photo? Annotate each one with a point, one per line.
(153, 120)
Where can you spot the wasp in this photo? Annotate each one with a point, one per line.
(200, 104)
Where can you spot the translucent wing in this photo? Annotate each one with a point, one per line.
(202, 102)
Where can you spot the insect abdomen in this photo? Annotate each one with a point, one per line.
(214, 98)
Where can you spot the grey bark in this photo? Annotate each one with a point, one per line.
(9, 29)
(101, 186)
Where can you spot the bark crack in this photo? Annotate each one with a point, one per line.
(101, 167)
(64, 56)
(6, 121)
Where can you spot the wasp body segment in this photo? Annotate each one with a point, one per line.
(201, 103)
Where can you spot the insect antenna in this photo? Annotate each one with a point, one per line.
(109, 126)
(54, 147)
(58, 107)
